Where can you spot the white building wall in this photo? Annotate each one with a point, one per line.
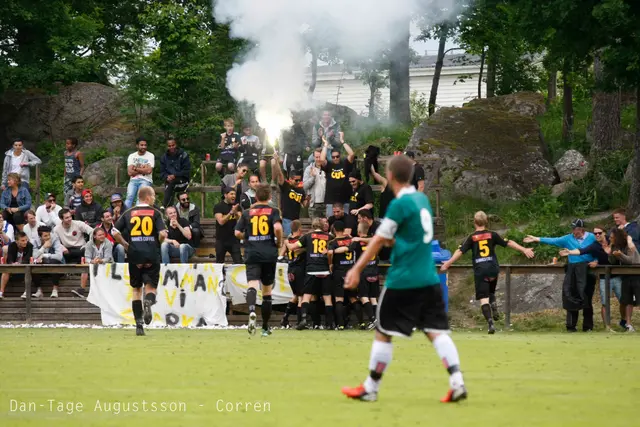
(345, 89)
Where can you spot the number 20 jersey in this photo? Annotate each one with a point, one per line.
(483, 247)
(257, 224)
(141, 226)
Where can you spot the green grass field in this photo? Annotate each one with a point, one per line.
(514, 379)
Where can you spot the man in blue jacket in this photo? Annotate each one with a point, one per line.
(579, 284)
(175, 171)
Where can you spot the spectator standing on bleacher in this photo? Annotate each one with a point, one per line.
(417, 179)
(48, 212)
(328, 129)
(579, 283)
(361, 195)
(140, 168)
(229, 141)
(48, 250)
(386, 196)
(337, 173)
(314, 183)
(89, 211)
(73, 199)
(72, 236)
(32, 226)
(175, 171)
(117, 206)
(7, 235)
(237, 180)
(109, 229)
(15, 201)
(20, 252)
(179, 238)
(292, 196)
(73, 163)
(248, 198)
(250, 149)
(227, 213)
(18, 161)
(191, 213)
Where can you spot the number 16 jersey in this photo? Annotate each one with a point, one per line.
(140, 227)
(259, 238)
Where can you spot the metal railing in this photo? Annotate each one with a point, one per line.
(30, 269)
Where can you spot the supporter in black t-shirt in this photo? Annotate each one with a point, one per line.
(292, 195)
(361, 195)
(261, 229)
(339, 215)
(226, 214)
(418, 173)
(142, 229)
(179, 241)
(337, 172)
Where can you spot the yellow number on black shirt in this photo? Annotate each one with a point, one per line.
(260, 225)
(484, 248)
(141, 226)
(348, 256)
(319, 246)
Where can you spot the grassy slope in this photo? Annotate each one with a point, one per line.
(545, 379)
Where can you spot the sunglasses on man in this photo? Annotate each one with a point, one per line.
(185, 200)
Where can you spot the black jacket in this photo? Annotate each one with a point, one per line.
(194, 222)
(12, 253)
(91, 214)
(178, 164)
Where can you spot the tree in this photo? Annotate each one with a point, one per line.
(605, 116)
(374, 73)
(399, 88)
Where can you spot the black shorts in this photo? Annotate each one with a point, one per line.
(400, 310)
(630, 294)
(485, 286)
(227, 158)
(251, 161)
(315, 285)
(374, 285)
(296, 280)
(264, 272)
(144, 275)
(338, 284)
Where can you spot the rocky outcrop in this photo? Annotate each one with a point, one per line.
(490, 149)
(572, 166)
(76, 110)
(100, 176)
(536, 292)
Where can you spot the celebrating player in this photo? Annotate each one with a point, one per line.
(485, 264)
(261, 229)
(297, 266)
(412, 296)
(341, 259)
(142, 231)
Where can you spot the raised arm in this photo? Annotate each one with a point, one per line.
(276, 171)
(378, 178)
(528, 252)
(456, 256)
(351, 156)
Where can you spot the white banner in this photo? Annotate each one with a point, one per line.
(188, 295)
(236, 283)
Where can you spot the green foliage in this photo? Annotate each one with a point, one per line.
(388, 137)
(419, 105)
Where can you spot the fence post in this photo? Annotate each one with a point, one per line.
(118, 175)
(37, 185)
(203, 180)
(507, 297)
(27, 286)
(607, 294)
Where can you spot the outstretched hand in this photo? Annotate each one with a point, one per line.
(530, 239)
(528, 252)
(564, 252)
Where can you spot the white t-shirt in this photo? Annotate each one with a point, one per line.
(49, 218)
(136, 159)
(15, 163)
(9, 231)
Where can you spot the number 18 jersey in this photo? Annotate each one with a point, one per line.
(409, 221)
(140, 227)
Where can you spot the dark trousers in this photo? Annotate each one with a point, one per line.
(577, 294)
(232, 247)
(15, 218)
(74, 256)
(178, 185)
(55, 278)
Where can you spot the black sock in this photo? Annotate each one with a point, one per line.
(315, 313)
(492, 299)
(339, 310)
(357, 307)
(304, 311)
(486, 312)
(374, 308)
(368, 311)
(136, 305)
(151, 297)
(291, 308)
(328, 316)
(266, 311)
(299, 314)
(252, 293)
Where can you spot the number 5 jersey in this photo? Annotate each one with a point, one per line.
(482, 245)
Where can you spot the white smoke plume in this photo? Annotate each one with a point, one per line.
(272, 76)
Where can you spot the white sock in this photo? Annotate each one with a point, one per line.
(448, 353)
(381, 355)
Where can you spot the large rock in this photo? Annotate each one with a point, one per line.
(491, 149)
(536, 292)
(572, 166)
(75, 110)
(100, 176)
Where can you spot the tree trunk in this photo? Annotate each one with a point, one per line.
(314, 73)
(634, 192)
(567, 103)
(433, 96)
(491, 73)
(552, 86)
(606, 125)
(399, 89)
(483, 57)
(372, 102)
